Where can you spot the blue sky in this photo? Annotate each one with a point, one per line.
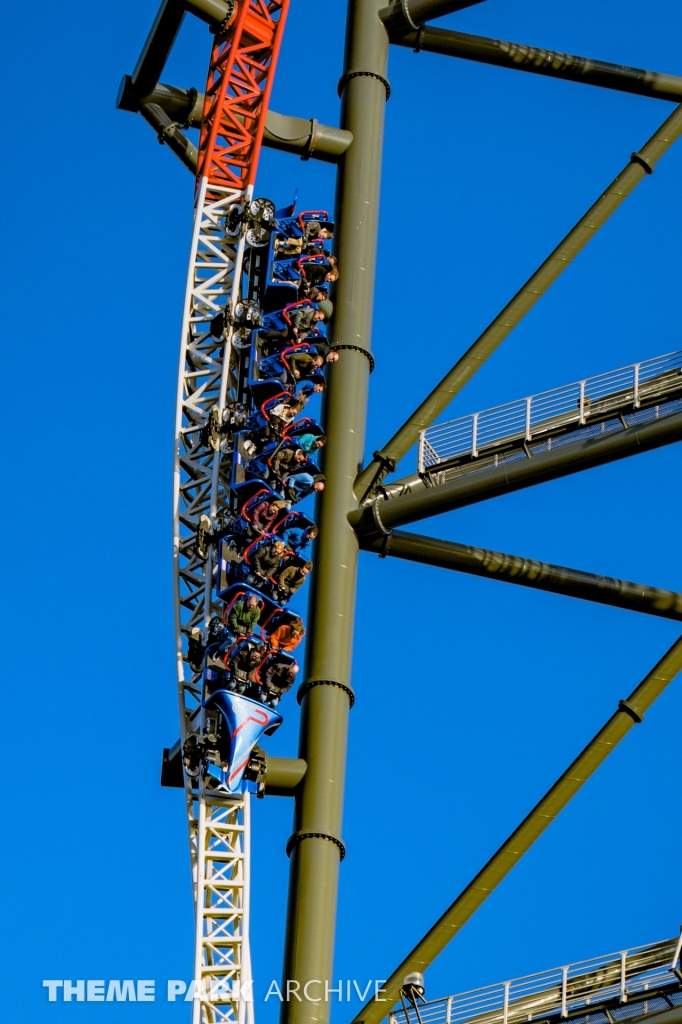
(473, 696)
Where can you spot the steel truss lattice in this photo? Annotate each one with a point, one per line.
(216, 827)
(222, 968)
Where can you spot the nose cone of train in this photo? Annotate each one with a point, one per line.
(246, 720)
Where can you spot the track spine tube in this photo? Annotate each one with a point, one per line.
(311, 916)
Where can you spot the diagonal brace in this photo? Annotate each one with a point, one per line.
(528, 573)
(531, 828)
(640, 164)
(551, 63)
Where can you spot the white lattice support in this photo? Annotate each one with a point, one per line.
(222, 958)
(211, 280)
(217, 827)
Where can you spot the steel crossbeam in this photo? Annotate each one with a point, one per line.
(526, 572)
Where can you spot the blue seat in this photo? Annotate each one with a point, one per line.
(235, 591)
(278, 319)
(282, 658)
(281, 366)
(244, 521)
(245, 483)
(279, 294)
(305, 425)
(260, 386)
(281, 618)
(293, 520)
(285, 271)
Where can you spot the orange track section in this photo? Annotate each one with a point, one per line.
(240, 76)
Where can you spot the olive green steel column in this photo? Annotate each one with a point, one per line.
(316, 847)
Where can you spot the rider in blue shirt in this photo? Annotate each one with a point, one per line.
(297, 540)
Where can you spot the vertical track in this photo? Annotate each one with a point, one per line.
(243, 61)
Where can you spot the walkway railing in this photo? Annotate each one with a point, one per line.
(561, 990)
(549, 412)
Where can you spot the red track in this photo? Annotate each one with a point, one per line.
(240, 76)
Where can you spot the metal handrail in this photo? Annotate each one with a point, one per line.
(560, 990)
(572, 405)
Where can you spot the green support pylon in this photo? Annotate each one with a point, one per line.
(326, 695)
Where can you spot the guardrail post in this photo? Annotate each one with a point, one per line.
(528, 403)
(636, 389)
(505, 1011)
(448, 1011)
(678, 951)
(474, 436)
(564, 979)
(623, 989)
(420, 458)
(582, 403)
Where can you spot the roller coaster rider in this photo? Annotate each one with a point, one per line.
(286, 411)
(302, 321)
(290, 578)
(323, 349)
(277, 675)
(310, 443)
(264, 515)
(313, 233)
(244, 616)
(298, 486)
(297, 539)
(315, 274)
(290, 366)
(267, 558)
(242, 659)
(287, 460)
(288, 635)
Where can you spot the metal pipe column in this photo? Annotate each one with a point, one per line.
(315, 847)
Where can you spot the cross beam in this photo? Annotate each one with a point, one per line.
(527, 573)
(551, 63)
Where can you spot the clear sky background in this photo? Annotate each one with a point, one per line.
(472, 696)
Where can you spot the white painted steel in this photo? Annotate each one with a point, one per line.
(559, 409)
(562, 990)
(222, 969)
(218, 827)
(210, 282)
